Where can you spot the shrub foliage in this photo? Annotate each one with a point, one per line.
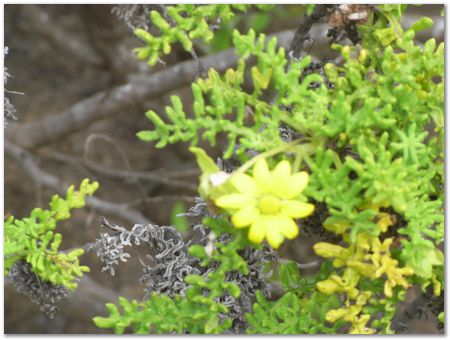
(361, 138)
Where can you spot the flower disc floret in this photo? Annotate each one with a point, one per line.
(267, 202)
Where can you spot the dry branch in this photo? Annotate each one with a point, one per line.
(120, 99)
(301, 34)
(71, 45)
(119, 210)
(162, 176)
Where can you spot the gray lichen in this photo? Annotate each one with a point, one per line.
(249, 284)
(110, 250)
(43, 293)
(168, 259)
(134, 16)
(199, 209)
(9, 112)
(169, 262)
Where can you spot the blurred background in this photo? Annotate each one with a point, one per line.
(75, 60)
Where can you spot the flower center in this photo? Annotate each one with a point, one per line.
(269, 205)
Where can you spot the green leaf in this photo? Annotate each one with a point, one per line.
(386, 36)
(211, 325)
(206, 164)
(289, 275)
(147, 136)
(310, 9)
(180, 222)
(33, 239)
(421, 255)
(422, 24)
(198, 250)
(233, 289)
(104, 322)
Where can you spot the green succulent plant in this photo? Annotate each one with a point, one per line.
(33, 239)
(372, 144)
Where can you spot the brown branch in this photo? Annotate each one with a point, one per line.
(303, 266)
(162, 176)
(110, 41)
(160, 199)
(119, 210)
(119, 99)
(42, 22)
(301, 35)
(99, 136)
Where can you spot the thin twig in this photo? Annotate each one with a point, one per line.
(114, 227)
(309, 265)
(163, 176)
(301, 34)
(161, 199)
(200, 69)
(303, 266)
(95, 136)
(25, 159)
(43, 23)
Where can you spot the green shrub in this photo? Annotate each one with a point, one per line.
(372, 144)
(33, 240)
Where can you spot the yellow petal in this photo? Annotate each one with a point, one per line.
(245, 216)
(257, 231)
(280, 178)
(296, 209)
(234, 201)
(244, 184)
(287, 226)
(297, 184)
(283, 169)
(262, 176)
(274, 235)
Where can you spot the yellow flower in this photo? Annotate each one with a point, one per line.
(267, 202)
